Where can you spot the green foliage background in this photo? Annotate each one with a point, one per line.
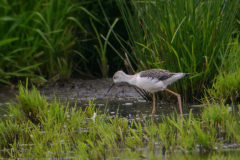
(59, 39)
(183, 36)
(50, 38)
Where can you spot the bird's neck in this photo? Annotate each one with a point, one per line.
(130, 79)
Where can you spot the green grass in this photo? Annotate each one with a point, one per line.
(101, 49)
(37, 38)
(52, 130)
(181, 36)
(226, 87)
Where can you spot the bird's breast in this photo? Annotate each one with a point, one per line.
(149, 84)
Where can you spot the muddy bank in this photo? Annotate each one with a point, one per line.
(87, 90)
(80, 90)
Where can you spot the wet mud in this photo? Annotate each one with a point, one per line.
(75, 89)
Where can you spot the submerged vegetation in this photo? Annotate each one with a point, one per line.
(37, 128)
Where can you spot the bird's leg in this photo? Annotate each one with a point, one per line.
(153, 111)
(179, 99)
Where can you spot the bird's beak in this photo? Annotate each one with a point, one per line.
(110, 87)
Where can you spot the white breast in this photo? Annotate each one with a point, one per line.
(149, 84)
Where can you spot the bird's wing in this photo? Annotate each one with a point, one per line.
(160, 74)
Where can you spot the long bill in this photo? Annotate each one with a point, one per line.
(110, 87)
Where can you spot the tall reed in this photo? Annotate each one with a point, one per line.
(37, 37)
(180, 36)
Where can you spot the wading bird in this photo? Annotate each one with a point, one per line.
(152, 80)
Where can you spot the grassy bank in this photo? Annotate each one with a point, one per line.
(36, 128)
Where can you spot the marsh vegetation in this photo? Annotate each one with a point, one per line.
(36, 128)
(59, 40)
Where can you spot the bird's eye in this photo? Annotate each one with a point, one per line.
(114, 77)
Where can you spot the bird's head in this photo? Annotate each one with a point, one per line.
(118, 77)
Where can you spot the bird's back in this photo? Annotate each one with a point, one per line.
(157, 79)
(159, 74)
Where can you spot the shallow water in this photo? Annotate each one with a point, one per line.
(122, 100)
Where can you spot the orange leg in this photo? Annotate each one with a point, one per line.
(179, 99)
(153, 111)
